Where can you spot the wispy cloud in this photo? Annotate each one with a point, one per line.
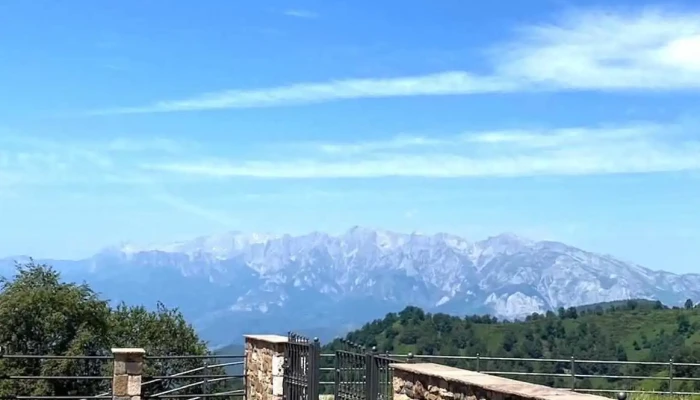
(595, 50)
(206, 213)
(637, 148)
(301, 14)
(76, 165)
(632, 148)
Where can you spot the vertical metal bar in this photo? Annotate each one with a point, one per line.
(371, 382)
(314, 369)
(369, 376)
(573, 374)
(205, 371)
(670, 376)
(478, 362)
(336, 387)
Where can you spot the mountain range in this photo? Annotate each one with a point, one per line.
(235, 283)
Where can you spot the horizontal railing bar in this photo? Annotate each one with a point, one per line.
(674, 393)
(657, 363)
(110, 357)
(179, 374)
(617, 391)
(660, 378)
(54, 377)
(515, 373)
(173, 377)
(197, 383)
(228, 364)
(187, 396)
(195, 357)
(178, 388)
(554, 360)
(54, 357)
(76, 397)
(232, 393)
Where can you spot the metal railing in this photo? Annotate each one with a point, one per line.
(207, 381)
(52, 383)
(206, 377)
(569, 374)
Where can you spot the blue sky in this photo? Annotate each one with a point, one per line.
(154, 121)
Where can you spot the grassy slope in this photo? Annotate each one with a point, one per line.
(624, 327)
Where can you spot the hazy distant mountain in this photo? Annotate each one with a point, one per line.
(238, 283)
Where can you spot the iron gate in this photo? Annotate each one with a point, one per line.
(362, 374)
(302, 361)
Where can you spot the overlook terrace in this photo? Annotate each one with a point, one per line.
(293, 367)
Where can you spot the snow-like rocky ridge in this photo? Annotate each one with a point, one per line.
(320, 280)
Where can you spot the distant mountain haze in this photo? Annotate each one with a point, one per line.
(324, 285)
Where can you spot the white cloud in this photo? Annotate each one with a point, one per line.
(70, 167)
(301, 14)
(634, 148)
(593, 50)
(576, 151)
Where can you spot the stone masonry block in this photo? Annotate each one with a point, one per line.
(133, 385)
(120, 385)
(119, 367)
(134, 368)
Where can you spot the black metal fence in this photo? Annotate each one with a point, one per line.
(362, 374)
(54, 376)
(679, 379)
(211, 377)
(350, 373)
(67, 377)
(302, 362)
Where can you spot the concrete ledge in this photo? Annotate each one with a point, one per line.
(267, 338)
(128, 350)
(428, 381)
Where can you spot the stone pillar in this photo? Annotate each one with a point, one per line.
(126, 380)
(264, 367)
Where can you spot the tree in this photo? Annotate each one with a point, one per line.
(688, 304)
(44, 316)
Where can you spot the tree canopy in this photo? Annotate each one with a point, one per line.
(42, 315)
(634, 330)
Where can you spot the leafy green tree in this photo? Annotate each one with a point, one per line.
(43, 316)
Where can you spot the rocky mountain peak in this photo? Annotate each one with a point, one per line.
(363, 273)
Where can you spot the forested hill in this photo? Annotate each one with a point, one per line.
(630, 330)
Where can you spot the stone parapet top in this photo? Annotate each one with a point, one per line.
(128, 350)
(493, 383)
(268, 338)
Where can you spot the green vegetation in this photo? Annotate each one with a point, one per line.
(41, 315)
(634, 330)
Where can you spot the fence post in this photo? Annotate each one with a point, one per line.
(126, 375)
(371, 375)
(337, 364)
(314, 364)
(478, 362)
(670, 376)
(573, 374)
(205, 381)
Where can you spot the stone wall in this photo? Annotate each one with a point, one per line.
(426, 381)
(128, 367)
(264, 360)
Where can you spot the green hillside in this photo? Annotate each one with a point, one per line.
(634, 330)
